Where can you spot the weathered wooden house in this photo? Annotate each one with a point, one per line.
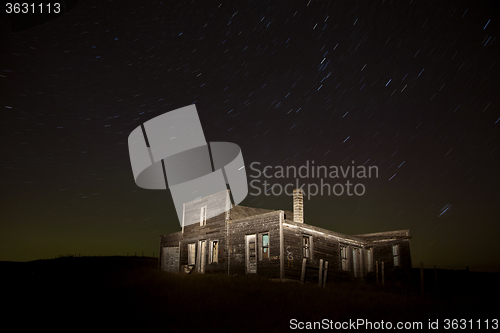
(274, 243)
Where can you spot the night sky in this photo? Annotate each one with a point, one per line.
(408, 86)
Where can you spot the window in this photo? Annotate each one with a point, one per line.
(356, 261)
(369, 260)
(307, 246)
(395, 255)
(203, 215)
(214, 252)
(264, 247)
(191, 254)
(344, 257)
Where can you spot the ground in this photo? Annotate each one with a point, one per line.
(99, 293)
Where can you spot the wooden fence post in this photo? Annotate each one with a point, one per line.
(320, 274)
(422, 278)
(303, 274)
(435, 276)
(325, 274)
(383, 275)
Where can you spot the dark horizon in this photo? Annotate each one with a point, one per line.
(410, 88)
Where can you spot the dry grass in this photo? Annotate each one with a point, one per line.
(131, 293)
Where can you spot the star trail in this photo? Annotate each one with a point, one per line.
(406, 86)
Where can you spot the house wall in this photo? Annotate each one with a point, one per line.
(232, 249)
(230, 233)
(255, 225)
(216, 204)
(322, 248)
(384, 253)
(214, 230)
(325, 245)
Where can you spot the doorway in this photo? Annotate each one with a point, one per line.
(356, 262)
(251, 254)
(202, 256)
(170, 259)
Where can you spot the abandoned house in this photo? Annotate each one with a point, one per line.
(277, 244)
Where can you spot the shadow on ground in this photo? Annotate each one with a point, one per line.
(114, 293)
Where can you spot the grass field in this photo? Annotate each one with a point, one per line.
(116, 293)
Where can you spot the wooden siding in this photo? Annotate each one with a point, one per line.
(325, 245)
(383, 252)
(216, 204)
(170, 259)
(231, 249)
(385, 235)
(255, 225)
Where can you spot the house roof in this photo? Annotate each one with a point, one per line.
(386, 235)
(240, 212)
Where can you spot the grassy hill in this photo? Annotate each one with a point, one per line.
(110, 293)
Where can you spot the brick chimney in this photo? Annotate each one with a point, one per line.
(298, 205)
